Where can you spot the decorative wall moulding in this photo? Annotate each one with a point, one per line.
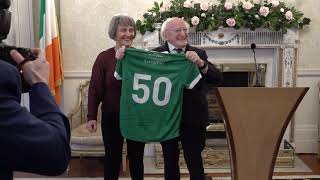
(77, 74)
(308, 72)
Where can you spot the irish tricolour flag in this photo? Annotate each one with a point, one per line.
(49, 40)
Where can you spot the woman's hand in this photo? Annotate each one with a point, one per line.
(120, 53)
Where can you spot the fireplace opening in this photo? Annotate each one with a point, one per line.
(236, 79)
(234, 75)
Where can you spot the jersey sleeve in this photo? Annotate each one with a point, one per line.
(118, 71)
(191, 76)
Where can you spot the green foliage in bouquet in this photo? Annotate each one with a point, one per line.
(270, 14)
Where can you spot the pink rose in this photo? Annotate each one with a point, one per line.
(264, 11)
(275, 3)
(195, 20)
(228, 5)
(231, 22)
(187, 4)
(204, 6)
(289, 15)
(247, 5)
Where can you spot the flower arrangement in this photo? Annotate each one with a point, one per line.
(270, 14)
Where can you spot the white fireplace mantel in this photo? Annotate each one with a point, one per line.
(285, 46)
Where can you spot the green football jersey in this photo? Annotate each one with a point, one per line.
(152, 93)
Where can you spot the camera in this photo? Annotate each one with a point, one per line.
(5, 22)
(25, 52)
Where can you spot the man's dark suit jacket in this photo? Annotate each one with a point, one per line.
(195, 104)
(36, 142)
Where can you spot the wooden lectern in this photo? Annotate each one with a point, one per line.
(256, 119)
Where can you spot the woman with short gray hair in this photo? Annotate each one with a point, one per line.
(122, 20)
(105, 89)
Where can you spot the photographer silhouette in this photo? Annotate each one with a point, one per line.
(35, 141)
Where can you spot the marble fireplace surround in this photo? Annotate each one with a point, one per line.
(276, 50)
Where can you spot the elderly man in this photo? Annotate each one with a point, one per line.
(195, 106)
(194, 111)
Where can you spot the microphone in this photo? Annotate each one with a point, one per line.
(258, 75)
(253, 46)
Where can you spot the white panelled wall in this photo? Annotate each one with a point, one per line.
(307, 116)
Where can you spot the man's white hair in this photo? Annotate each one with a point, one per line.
(164, 27)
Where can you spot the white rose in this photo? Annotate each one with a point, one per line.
(195, 20)
(231, 22)
(247, 5)
(289, 15)
(264, 11)
(204, 6)
(162, 9)
(228, 5)
(257, 16)
(203, 14)
(154, 14)
(275, 3)
(187, 4)
(282, 10)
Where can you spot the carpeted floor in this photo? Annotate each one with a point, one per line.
(299, 166)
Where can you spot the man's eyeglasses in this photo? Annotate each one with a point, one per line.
(179, 30)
